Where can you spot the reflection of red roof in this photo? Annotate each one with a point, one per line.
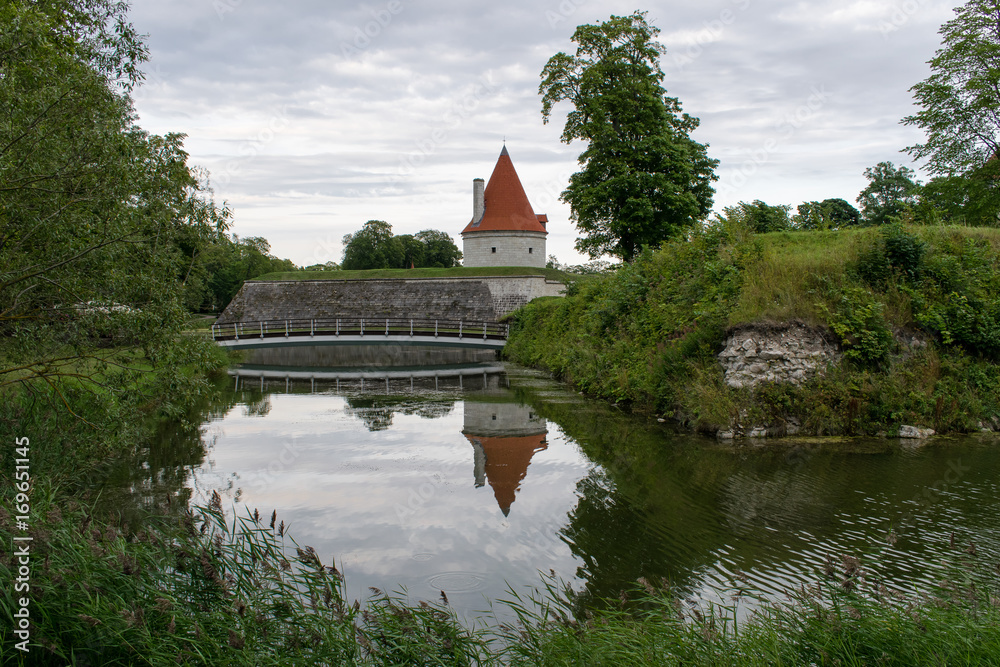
(507, 461)
(507, 207)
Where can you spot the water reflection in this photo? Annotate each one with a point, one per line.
(464, 477)
(504, 437)
(365, 356)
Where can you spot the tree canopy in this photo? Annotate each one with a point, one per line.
(831, 213)
(96, 215)
(374, 247)
(643, 179)
(972, 198)
(440, 250)
(759, 217)
(961, 97)
(889, 192)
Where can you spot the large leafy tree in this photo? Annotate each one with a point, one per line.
(889, 192)
(372, 247)
(971, 199)
(224, 265)
(94, 212)
(643, 179)
(961, 98)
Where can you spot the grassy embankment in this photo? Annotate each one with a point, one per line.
(456, 272)
(649, 334)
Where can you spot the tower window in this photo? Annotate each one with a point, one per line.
(493, 250)
(529, 250)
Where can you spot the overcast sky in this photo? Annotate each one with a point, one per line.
(313, 116)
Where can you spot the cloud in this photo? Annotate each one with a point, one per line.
(314, 116)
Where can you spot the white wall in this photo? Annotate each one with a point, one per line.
(511, 249)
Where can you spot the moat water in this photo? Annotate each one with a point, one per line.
(418, 470)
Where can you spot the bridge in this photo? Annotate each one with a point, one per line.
(361, 331)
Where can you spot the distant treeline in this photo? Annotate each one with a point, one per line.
(374, 247)
(971, 200)
(218, 264)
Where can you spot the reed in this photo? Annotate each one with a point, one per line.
(201, 588)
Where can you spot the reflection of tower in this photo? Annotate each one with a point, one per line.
(504, 437)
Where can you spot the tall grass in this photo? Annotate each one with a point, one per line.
(207, 590)
(782, 285)
(201, 588)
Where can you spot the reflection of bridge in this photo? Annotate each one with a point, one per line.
(387, 380)
(360, 331)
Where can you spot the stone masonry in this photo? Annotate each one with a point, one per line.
(469, 299)
(790, 352)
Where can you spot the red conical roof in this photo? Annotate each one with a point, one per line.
(507, 207)
(507, 461)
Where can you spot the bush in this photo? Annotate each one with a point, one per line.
(957, 297)
(859, 322)
(895, 252)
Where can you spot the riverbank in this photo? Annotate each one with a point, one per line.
(910, 316)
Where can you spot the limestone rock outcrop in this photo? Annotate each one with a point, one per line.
(788, 352)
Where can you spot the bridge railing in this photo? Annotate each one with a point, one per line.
(380, 327)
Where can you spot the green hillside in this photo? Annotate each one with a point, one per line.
(649, 335)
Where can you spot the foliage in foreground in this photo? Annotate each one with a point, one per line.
(648, 335)
(207, 589)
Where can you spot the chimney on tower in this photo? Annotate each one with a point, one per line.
(478, 200)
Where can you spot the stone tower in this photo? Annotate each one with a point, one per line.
(504, 230)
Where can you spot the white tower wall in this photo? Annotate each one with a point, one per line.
(499, 248)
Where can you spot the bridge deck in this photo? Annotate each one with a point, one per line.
(280, 333)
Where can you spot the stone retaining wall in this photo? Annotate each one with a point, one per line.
(471, 299)
(509, 293)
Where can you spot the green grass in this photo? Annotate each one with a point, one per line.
(456, 272)
(775, 289)
(782, 286)
(201, 322)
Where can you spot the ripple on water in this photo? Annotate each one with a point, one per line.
(457, 582)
